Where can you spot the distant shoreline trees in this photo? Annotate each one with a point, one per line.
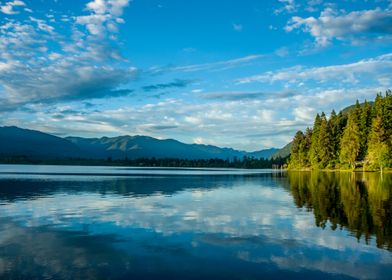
(361, 135)
(245, 162)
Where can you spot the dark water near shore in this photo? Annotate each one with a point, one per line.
(70, 223)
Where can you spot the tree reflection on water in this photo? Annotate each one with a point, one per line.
(359, 202)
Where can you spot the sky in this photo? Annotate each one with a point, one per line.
(243, 74)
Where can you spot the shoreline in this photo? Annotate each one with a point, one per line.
(341, 170)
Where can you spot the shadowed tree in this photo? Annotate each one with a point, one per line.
(364, 127)
(314, 148)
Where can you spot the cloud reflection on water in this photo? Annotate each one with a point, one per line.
(249, 219)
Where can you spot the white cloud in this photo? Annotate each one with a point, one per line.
(289, 6)
(39, 65)
(219, 65)
(282, 52)
(304, 113)
(42, 25)
(247, 124)
(8, 7)
(105, 15)
(354, 26)
(385, 81)
(312, 5)
(98, 6)
(198, 140)
(344, 73)
(197, 90)
(215, 212)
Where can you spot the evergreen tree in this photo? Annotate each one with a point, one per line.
(341, 124)
(388, 124)
(306, 144)
(357, 112)
(362, 132)
(350, 142)
(296, 151)
(379, 146)
(333, 124)
(314, 155)
(364, 127)
(325, 144)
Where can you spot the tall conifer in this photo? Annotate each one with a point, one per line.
(350, 143)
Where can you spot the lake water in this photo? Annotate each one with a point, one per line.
(59, 222)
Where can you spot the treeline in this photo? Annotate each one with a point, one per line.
(358, 136)
(245, 162)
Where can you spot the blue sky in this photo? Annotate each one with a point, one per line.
(243, 74)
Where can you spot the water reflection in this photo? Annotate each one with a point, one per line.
(192, 227)
(360, 202)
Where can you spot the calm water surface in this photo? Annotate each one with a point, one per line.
(59, 222)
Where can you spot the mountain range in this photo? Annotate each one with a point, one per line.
(15, 141)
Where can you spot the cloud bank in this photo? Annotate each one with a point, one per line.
(38, 64)
(355, 26)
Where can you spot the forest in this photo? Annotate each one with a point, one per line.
(245, 162)
(359, 136)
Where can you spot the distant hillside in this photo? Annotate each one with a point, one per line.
(143, 146)
(16, 141)
(283, 152)
(347, 109)
(267, 153)
(132, 147)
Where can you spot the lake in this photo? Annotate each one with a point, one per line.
(73, 222)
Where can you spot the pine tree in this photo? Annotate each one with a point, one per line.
(333, 124)
(350, 142)
(379, 145)
(364, 127)
(388, 125)
(341, 125)
(378, 149)
(363, 132)
(357, 112)
(325, 143)
(314, 148)
(307, 142)
(296, 150)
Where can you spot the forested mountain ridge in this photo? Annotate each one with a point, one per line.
(283, 152)
(133, 147)
(18, 143)
(360, 135)
(15, 142)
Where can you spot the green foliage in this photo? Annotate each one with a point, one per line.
(296, 150)
(245, 162)
(360, 135)
(314, 156)
(359, 202)
(325, 145)
(350, 143)
(364, 128)
(380, 142)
